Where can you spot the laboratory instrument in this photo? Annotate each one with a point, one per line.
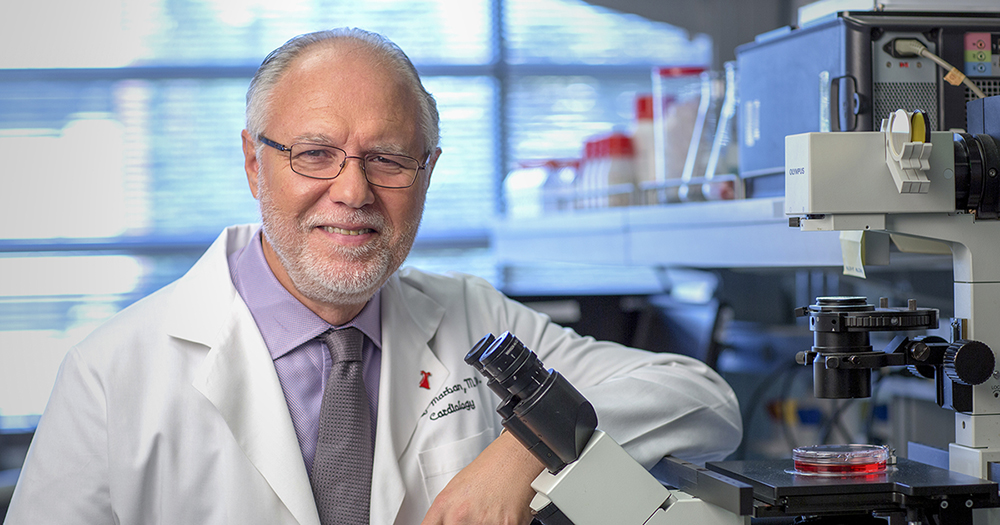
(589, 478)
(841, 72)
(906, 180)
(941, 186)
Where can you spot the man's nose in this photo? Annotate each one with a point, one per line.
(351, 186)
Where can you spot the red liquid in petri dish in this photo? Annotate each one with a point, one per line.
(840, 460)
(840, 470)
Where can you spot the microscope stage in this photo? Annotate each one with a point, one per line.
(780, 491)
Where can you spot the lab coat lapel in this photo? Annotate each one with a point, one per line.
(238, 377)
(409, 321)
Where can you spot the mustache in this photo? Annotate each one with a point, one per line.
(364, 217)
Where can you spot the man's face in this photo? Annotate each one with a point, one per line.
(337, 241)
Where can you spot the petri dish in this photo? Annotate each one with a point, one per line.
(840, 460)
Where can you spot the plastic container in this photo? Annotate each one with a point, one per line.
(620, 181)
(840, 460)
(598, 196)
(558, 188)
(523, 188)
(592, 182)
(582, 174)
(644, 142)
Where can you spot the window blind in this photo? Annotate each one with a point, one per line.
(120, 130)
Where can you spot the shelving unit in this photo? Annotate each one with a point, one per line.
(750, 233)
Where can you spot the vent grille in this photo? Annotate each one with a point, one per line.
(990, 88)
(911, 96)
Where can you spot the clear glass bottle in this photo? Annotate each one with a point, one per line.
(723, 160)
(676, 94)
(712, 92)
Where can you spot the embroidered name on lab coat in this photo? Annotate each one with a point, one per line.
(452, 408)
(453, 405)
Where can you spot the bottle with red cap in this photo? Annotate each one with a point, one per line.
(599, 183)
(620, 175)
(643, 143)
(584, 183)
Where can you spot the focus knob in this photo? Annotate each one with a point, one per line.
(969, 362)
(924, 371)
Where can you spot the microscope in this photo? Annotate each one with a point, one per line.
(903, 180)
(589, 479)
(933, 185)
(940, 186)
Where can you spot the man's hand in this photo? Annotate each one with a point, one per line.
(495, 489)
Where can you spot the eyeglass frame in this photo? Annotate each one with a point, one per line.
(288, 149)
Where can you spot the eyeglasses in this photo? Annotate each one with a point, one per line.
(320, 161)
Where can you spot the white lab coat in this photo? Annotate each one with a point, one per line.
(172, 413)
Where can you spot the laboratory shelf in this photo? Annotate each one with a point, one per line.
(594, 236)
(750, 233)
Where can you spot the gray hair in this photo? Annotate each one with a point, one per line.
(278, 61)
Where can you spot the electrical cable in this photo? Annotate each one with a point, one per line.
(757, 396)
(833, 422)
(870, 419)
(952, 70)
(913, 47)
(786, 426)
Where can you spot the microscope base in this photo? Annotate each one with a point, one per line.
(605, 485)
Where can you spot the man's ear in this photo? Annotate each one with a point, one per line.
(431, 162)
(250, 161)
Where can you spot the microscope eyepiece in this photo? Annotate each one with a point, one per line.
(472, 358)
(514, 366)
(540, 407)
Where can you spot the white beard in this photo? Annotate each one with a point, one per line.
(343, 276)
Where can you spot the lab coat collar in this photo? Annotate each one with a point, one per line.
(208, 287)
(238, 376)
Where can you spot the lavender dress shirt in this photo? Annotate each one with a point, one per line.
(290, 331)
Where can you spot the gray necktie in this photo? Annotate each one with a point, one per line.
(342, 468)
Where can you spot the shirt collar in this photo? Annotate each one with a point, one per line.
(284, 322)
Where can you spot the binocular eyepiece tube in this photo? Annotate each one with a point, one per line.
(539, 406)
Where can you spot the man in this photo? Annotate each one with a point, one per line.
(205, 402)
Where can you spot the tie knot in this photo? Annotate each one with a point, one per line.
(344, 344)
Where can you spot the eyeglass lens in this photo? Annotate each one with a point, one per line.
(326, 162)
